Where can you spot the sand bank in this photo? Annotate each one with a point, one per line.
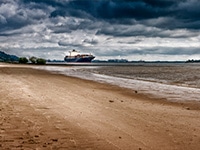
(40, 110)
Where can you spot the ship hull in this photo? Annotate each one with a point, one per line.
(75, 56)
(79, 59)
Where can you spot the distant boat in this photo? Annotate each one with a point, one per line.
(75, 56)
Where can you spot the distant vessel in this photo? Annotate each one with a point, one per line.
(75, 56)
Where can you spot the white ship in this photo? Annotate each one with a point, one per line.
(75, 56)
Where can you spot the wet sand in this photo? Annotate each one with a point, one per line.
(41, 110)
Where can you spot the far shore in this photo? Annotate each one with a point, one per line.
(41, 110)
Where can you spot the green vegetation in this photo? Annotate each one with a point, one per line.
(40, 61)
(193, 61)
(23, 60)
(33, 60)
(8, 58)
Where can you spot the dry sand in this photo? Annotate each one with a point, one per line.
(41, 110)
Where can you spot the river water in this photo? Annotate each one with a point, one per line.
(172, 81)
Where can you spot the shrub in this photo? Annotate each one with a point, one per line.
(23, 60)
(33, 59)
(41, 61)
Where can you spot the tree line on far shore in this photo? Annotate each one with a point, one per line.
(32, 60)
(4, 57)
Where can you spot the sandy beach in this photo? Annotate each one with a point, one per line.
(43, 110)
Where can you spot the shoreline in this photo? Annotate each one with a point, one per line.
(170, 93)
(58, 111)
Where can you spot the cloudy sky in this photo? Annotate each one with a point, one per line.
(129, 29)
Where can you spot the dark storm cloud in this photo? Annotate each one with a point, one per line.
(112, 10)
(126, 31)
(89, 23)
(72, 25)
(15, 15)
(142, 30)
(183, 13)
(106, 9)
(12, 18)
(54, 3)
